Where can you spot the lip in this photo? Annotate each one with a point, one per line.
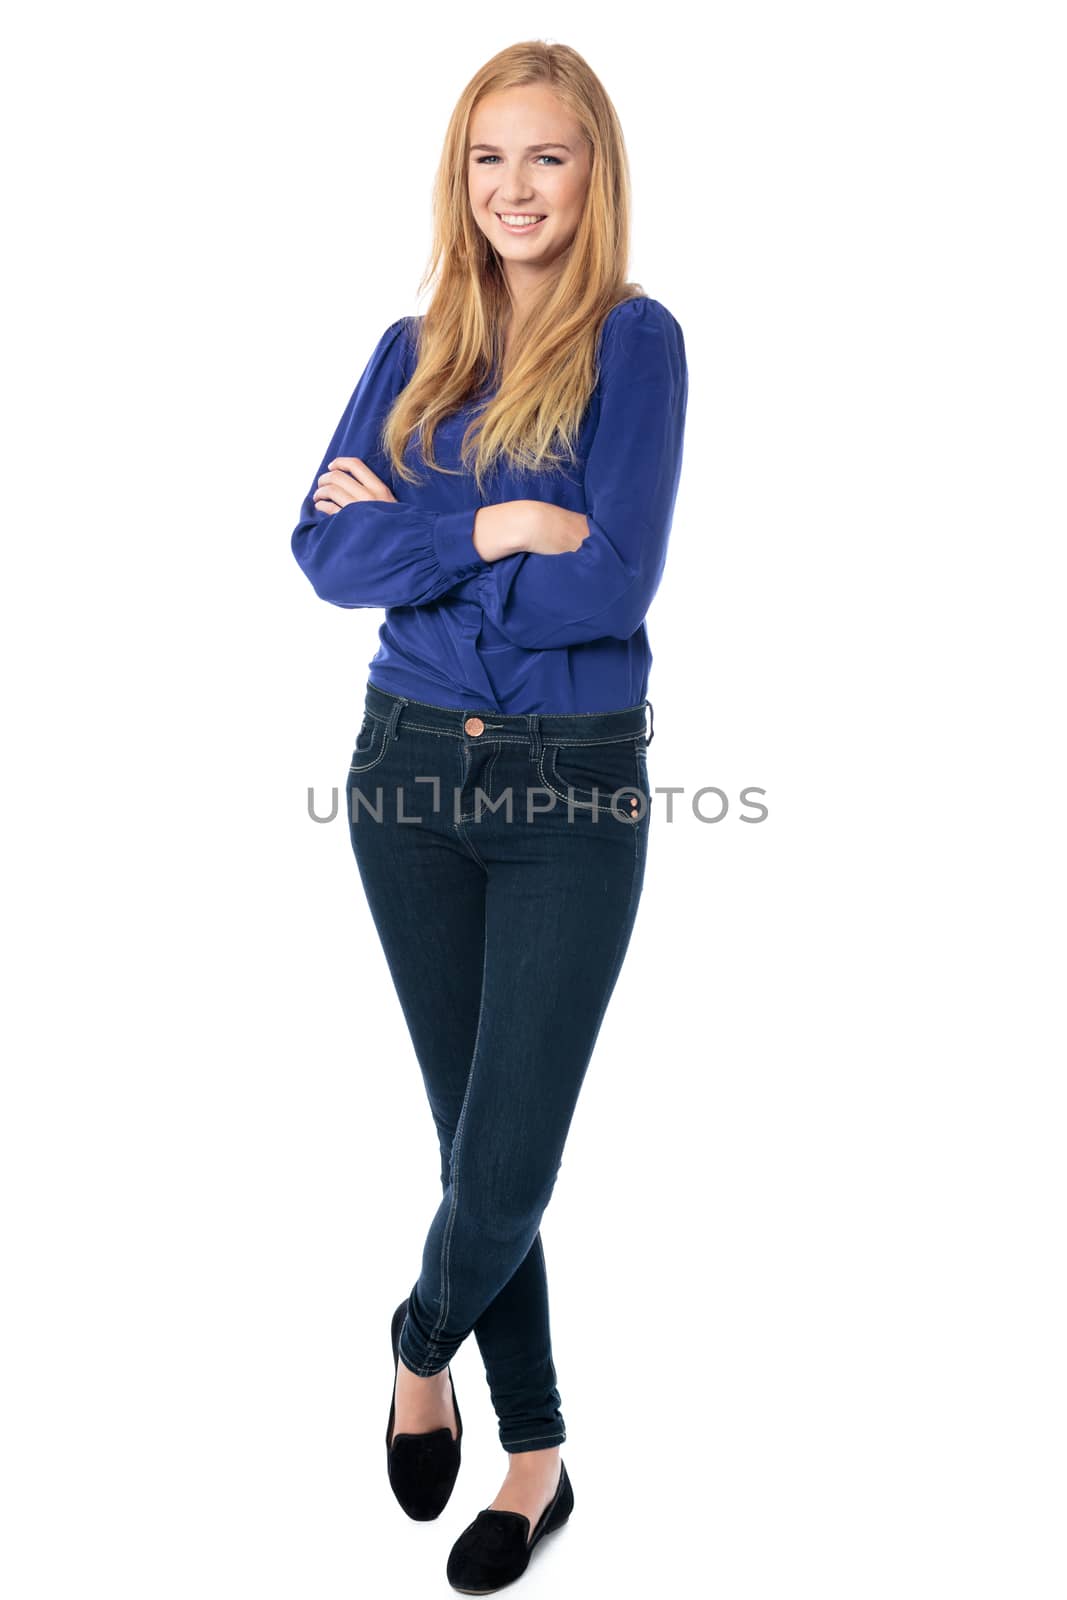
(531, 227)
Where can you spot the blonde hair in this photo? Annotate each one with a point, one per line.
(552, 373)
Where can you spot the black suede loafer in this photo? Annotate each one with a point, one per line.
(495, 1548)
(422, 1466)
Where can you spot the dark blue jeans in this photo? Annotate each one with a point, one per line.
(502, 859)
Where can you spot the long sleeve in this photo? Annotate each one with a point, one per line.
(380, 552)
(604, 588)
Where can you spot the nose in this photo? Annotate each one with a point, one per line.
(508, 200)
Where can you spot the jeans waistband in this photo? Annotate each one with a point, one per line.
(534, 727)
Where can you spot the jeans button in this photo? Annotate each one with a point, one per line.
(474, 725)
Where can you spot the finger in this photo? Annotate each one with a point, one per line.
(341, 477)
(362, 474)
(340, 494)
(324, 503)
(342, 487)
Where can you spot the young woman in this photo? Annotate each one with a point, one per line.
(502, 482)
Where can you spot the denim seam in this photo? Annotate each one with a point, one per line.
(581, 744)
(586, 805)
(511, 738)
(366, 767)
(506, 738)
(469, 816)
(615, 738)
(422, 727)
(540, 1438)
(446, 1240)
(491, 803)
(487, 786)
(458, 827)
(627, 922)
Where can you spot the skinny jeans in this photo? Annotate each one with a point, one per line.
(502, 858)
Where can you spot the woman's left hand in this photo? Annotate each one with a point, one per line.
(347, 480)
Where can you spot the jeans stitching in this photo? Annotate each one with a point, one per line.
(584, 805)
(615, 738)
(487, 785)
(379, 757)
(446, 1241)
(505, 738)
(458, 828)
(627, 922)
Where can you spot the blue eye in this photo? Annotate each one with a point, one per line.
(480, 160)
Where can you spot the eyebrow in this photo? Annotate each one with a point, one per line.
(550, 146)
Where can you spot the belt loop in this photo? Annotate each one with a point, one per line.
(394, 718)
(534, 723)
(651, 721)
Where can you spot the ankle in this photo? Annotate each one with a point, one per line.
(435, 1380)
(530, 1463)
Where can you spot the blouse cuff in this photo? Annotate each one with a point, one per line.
(453, 542)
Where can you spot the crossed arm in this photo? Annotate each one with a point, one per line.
(545, 576)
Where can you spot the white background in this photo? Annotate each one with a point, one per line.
(807, 1244)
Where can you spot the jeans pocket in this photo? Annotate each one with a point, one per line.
(574, 771)
(370, 744)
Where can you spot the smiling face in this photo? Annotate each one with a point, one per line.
(527, 158)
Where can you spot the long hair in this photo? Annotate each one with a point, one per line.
(534, 418)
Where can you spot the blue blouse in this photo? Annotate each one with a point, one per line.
(529, 632)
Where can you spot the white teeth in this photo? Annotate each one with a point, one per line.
(518, 222)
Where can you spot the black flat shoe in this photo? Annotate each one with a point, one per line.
(495, 1548)
(422, 1466)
